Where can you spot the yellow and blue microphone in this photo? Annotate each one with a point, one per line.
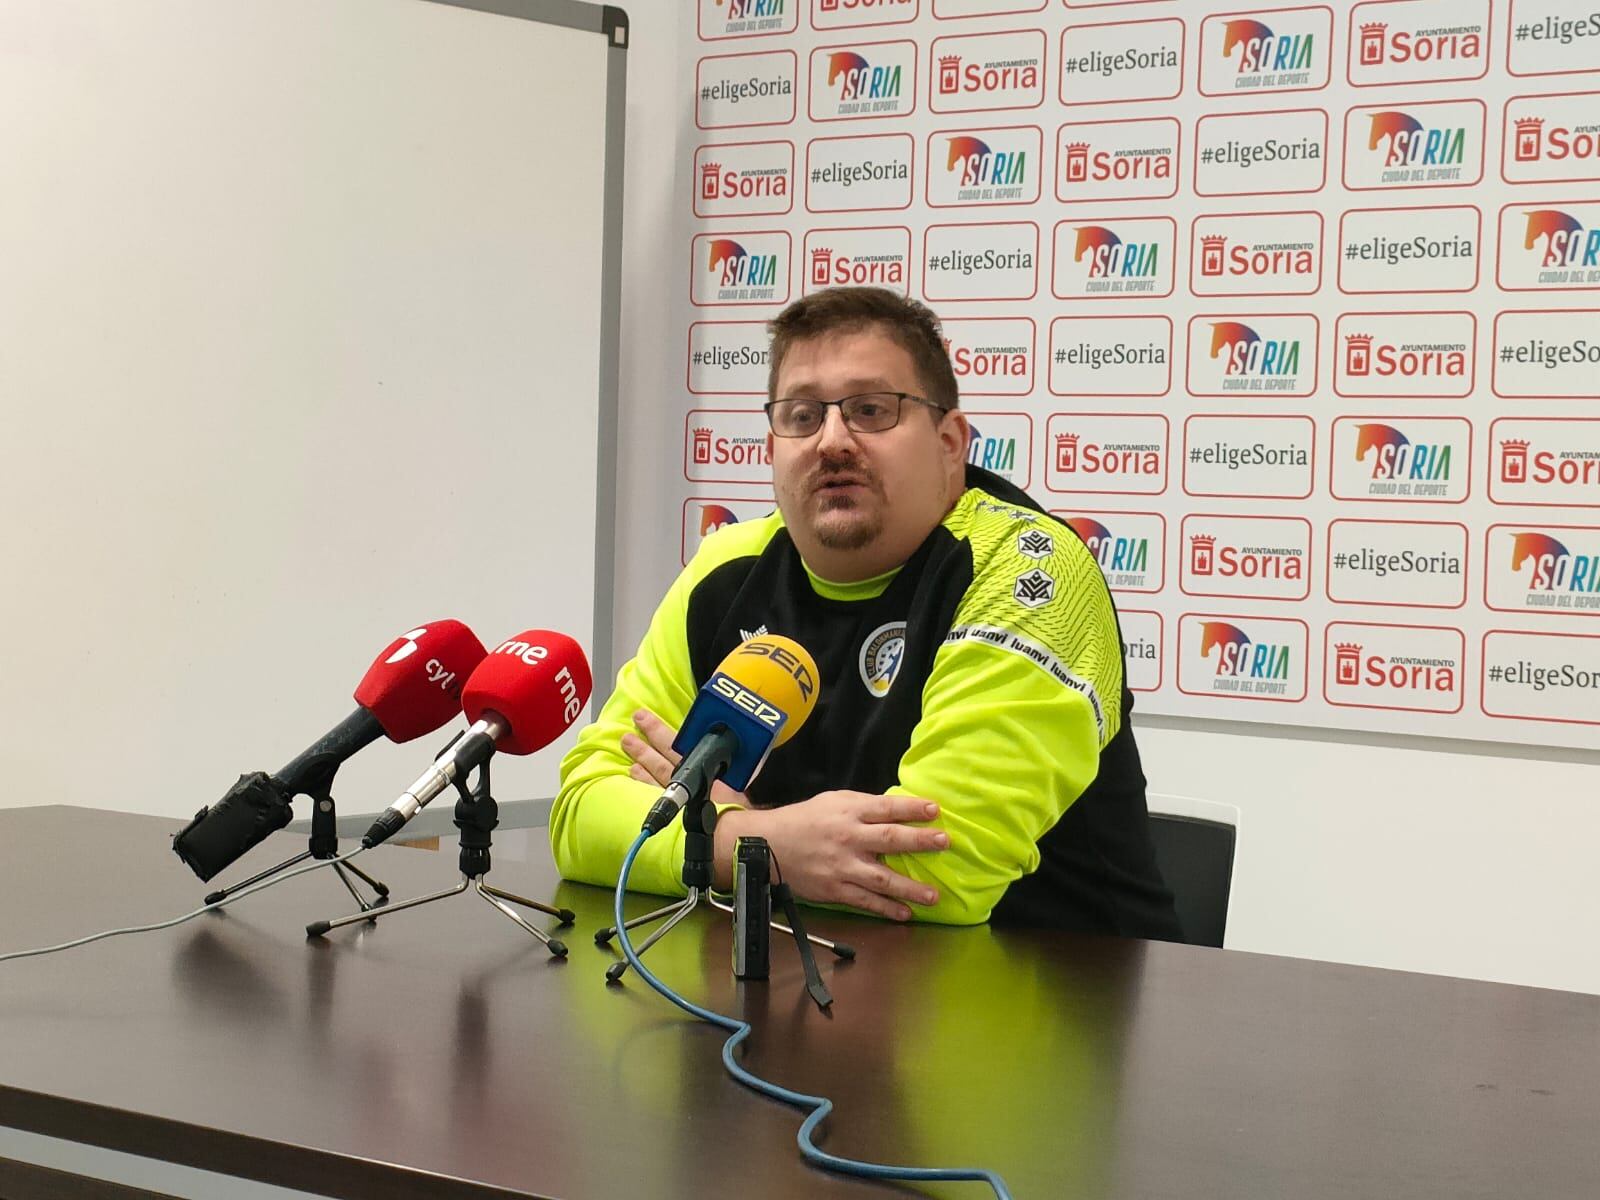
(758, 698)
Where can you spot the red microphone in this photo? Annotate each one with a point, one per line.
(522, 696)
(412, 688)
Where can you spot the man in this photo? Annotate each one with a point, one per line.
(969, 754)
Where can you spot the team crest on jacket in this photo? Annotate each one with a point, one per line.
(881, 656)
(1034, 589)
(1036, 544)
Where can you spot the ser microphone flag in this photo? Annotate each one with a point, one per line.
(522, 696)
(758, 698)
(412, 688)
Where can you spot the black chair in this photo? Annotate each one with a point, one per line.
(1196, 859)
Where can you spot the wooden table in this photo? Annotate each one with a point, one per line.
(442, 1053)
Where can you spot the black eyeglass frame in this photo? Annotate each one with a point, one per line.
(899, 397)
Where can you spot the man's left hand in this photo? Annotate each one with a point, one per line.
(654, 759)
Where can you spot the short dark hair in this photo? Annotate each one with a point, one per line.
(909, 323)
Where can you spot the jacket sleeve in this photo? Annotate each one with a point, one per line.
(1024, 694)
(599, 809)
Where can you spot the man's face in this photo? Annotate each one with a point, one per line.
(855, 497)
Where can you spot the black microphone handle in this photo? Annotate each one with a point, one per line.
(707, 761)
(312, 771)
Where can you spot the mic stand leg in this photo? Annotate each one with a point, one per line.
(323, 844)
(477, 814)
(699, 819)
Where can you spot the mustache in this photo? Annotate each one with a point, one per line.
(839, 473)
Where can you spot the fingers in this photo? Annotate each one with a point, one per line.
(650, 749)
(902, 839)
(871, 875)
(871, 902)
(879, 809)
(658, 733)
(646, 761)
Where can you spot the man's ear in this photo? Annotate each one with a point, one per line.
(954, 436)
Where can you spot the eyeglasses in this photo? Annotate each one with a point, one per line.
(870, 412)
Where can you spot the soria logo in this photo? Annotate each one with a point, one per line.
(1118, 160)
(744, 179)
(858, 258)
(1549, 461)
(840, 14)
(1002, 443)
(1395, 458)
(1551, 139)
(1119, 454)
(1405, 354)
(704, 515)
(1418, 41)
(977, 72)
(1550, 247)
(1130, 547)
(1264, 558)
(1433, 144)
(984, 166)
(991, 356)
(751, 269)
(1553, 568)
(1410, 668)
(873, 80)
(726, 446)
(1127, 256)
(1277, 50)
(1246, 658)
(747, 18)
(1256, 254)
(1253, 353)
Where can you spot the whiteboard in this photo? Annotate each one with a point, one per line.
(307, 337)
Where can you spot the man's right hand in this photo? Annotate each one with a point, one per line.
(828, 847)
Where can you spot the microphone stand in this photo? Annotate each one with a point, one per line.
(476, 816)
(323, 844)
(699, 823)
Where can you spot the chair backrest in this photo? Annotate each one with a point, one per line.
(1195, 843)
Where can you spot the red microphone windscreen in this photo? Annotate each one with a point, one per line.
(414, 686)
(537, 681)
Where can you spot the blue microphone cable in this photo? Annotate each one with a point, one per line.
(820, 1106)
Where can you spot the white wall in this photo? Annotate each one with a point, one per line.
(1409, 855)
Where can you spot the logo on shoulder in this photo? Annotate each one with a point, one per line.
(1035, 544)
(882, 655)
(1035, 589)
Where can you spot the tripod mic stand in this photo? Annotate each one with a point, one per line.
(699, 822)
(476, 816)
(324, 844)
